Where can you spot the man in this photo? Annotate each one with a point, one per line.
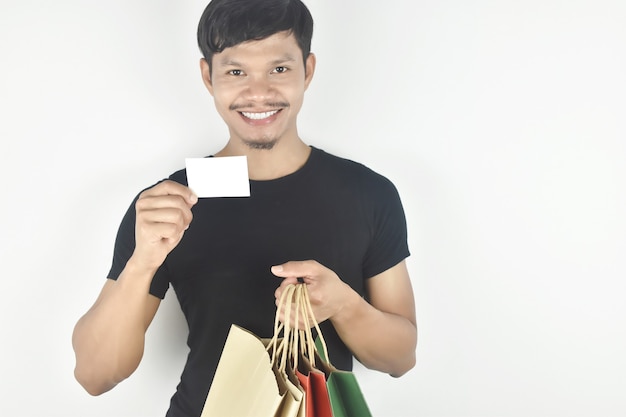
(330, 222)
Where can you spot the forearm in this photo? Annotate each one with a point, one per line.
(109, 339)
(379, 340)
(381, 333)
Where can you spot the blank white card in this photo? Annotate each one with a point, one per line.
(225, 176)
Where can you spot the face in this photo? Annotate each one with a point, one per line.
(258, 88)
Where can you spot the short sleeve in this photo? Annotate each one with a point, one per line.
(124, 248)
(389, 245)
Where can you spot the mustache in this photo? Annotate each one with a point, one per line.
(267, 104)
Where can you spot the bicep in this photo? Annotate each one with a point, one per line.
(391, 292)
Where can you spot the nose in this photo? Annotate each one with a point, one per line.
(258, 88)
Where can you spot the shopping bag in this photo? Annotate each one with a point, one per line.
(344, 391)
(346, 397)
(293, 403)
(283, 353)
(251, 382)
(245, 382)
(298, 399)
(313, 381)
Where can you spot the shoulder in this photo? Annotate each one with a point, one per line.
(349, 172)
(179, 176)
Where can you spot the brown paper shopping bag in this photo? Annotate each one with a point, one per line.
(283, 353)
(245, 382)
(251, 381)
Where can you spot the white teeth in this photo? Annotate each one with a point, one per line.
(259, 116)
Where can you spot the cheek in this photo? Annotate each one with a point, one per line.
(290, 93)
(296, 99)
(222, 92)
(222, 108)
(222, 99)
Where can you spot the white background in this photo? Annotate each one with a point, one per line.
(502, 123)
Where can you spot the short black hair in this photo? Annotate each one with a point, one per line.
(227, 23)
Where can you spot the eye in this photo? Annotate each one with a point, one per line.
(235, 72)
(280, 70)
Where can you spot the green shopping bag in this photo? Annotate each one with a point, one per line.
(346, 397)
(344, 391)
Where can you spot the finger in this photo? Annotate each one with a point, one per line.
(169, 187)
(283, 285)
(164, 231)
(170, 207)
(166, 214)
(162, 200)
(296, 269)
(302, 322)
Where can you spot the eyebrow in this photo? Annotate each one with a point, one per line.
(229, 63)
(286, 58)
(226, 62)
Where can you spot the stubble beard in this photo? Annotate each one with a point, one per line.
(265, 144)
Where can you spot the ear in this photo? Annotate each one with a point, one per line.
(206, 75)
(309, 69)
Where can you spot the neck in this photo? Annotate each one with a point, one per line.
(268, 164)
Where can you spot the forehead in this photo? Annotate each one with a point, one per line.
(280, 47)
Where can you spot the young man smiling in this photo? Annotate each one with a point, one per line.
(328, 221)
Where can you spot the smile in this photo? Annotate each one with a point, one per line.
(259, 116)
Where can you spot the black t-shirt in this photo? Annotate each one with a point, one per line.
(332, 210)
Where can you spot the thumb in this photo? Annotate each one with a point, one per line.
(278, 270)
(290, 277)
(281, 272)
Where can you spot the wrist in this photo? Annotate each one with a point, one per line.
(138, 267)
(348, 305)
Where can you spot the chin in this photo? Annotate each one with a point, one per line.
(267, 144)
